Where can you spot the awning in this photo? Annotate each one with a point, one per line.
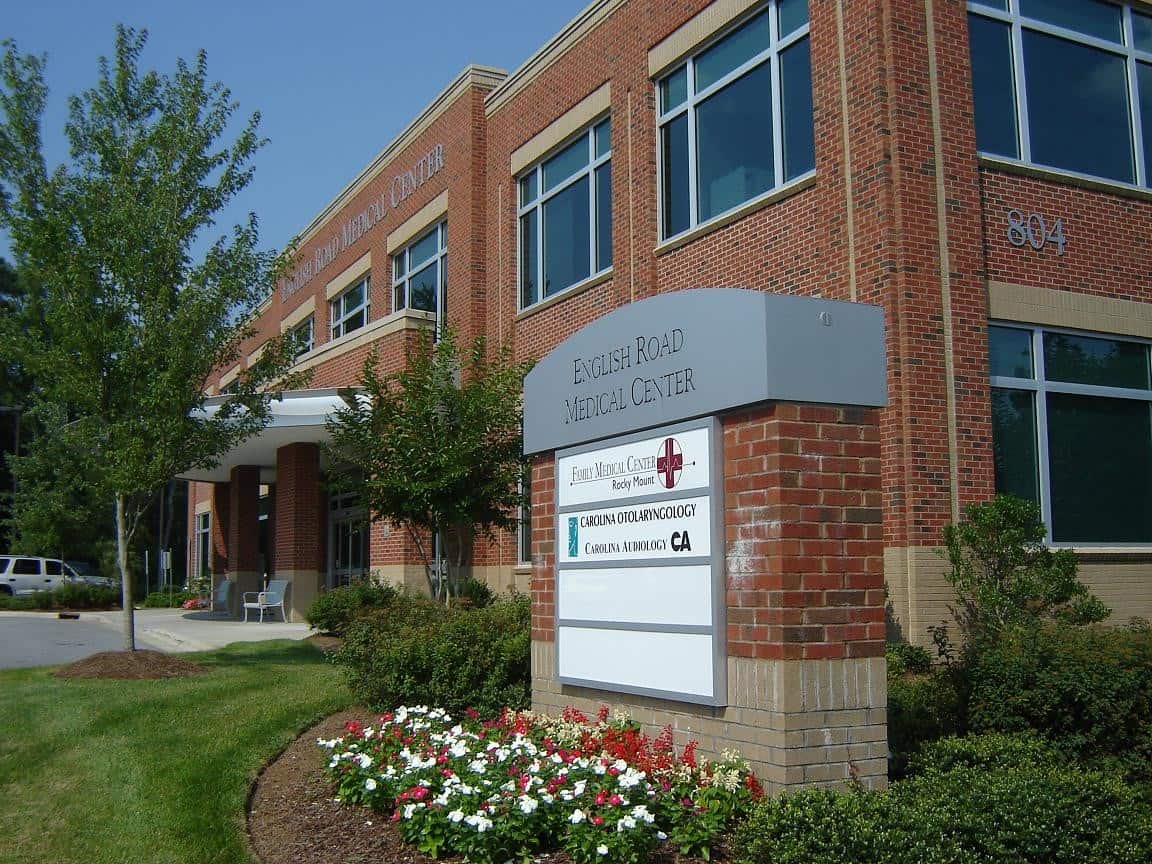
(297, 416)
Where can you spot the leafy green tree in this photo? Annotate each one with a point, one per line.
(436, 447)
(134, 319)
(1005, 576)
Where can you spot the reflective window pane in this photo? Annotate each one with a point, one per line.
(1078, 117)
(528, 188)
(736, 48)
(674, 173)
(529, 260)
(604, 217)
(993, 90)
(1090, 17)
(398, 266)
(603, 138)
(1016, 465)
(399, 297)
(1142, 31)
(1144, 86)
(1100, 494)
(566, 238)
(1010, 352)
(1088, 360)
(793, 16)
(734, 144)
(674, 89)
(423, 249)
(992, 4)
(424, 288)
(796, 90)
(566, 163)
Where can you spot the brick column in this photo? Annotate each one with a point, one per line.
(244, 534)
(807, 686)
(221, 509)
(300, 523)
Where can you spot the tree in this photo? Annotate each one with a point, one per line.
(134, 322)
(436, 447)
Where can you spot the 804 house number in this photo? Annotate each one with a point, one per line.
(1031, 229)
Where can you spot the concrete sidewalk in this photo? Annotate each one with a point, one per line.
(177, 630)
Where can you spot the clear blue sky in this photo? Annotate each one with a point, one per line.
(334, 82)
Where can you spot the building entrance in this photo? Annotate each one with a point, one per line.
(347, 539)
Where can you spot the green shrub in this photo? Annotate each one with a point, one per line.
(905, 657)
(475, 593)
(990, 752)
(921, 708)
(10, 603)
(1088, 688)
(421, 653)
(334, 610)
(1035, 815)
(167, 599)
(79, 595)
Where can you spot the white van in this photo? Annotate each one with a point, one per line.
(20, 574)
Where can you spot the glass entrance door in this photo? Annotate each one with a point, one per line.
(347, 540)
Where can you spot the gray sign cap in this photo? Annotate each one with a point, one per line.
(702, 351)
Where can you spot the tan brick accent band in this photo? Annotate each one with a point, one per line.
(298, 315)
(564, 127)
(405, 319)
(1031, 305)
(798, 722)
(425, 217)
(684, 39)
(229, 376)
(349, 275)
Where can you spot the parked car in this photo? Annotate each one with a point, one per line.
(84, 572)
(23, 574)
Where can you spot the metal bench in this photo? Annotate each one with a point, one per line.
(272, 597)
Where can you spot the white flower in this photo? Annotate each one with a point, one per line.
(601, 849)
(365, 761)
(660, 835)
(577, 816)
(455, 815)
(579, 787)
(478, 821)
(409, 809)
(478, 766)
(641, 812)
(370, 785)
(528, 804)
(625, 822)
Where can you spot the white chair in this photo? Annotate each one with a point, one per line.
(272, 597)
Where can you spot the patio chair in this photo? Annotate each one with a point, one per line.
(272, 597)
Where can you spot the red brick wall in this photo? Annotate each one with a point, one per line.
(300, 514)
(244, 519)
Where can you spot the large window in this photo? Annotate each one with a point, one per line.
(1065, 84)
(566, 216)
(420, 273)
(349, 309)
(303, 335)
(203, 544)
(1072, 430)
(736, 119)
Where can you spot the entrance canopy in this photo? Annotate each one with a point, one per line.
(297, 416)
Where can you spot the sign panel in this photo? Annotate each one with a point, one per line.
(692, 353)
(639, 575)
(652, 465)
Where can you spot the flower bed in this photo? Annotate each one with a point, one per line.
(526, 783)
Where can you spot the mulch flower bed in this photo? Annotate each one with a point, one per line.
(130, 664)
(294, 818)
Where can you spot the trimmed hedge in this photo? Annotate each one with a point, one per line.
(334, 610)
(921, 708)
(73, 595)
(418, 652)
(969, 815)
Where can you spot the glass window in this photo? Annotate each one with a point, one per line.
(420, 273)
(349, 309)
(736, 118)
(203, 543)
(1055, 83)
(26, 567)
(565, 216)
(1072, 429)
(53, 568)
(524, 524)
(304, 335)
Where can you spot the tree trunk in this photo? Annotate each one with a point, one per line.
(128, 625)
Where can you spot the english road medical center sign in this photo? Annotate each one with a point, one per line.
(639, 599)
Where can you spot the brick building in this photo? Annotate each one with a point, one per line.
(978, 170)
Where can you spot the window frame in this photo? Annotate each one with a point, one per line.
(1131, 55)
(335, 323)
(310, 323)
(695, 98)
(404, 278)
(1040, 386)
(589, 170)
(202, 544)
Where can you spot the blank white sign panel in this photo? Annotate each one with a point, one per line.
(672, 662)
(649, 595)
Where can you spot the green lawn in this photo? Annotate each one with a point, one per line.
(132, 772)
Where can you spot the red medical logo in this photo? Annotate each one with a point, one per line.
(669, 463)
